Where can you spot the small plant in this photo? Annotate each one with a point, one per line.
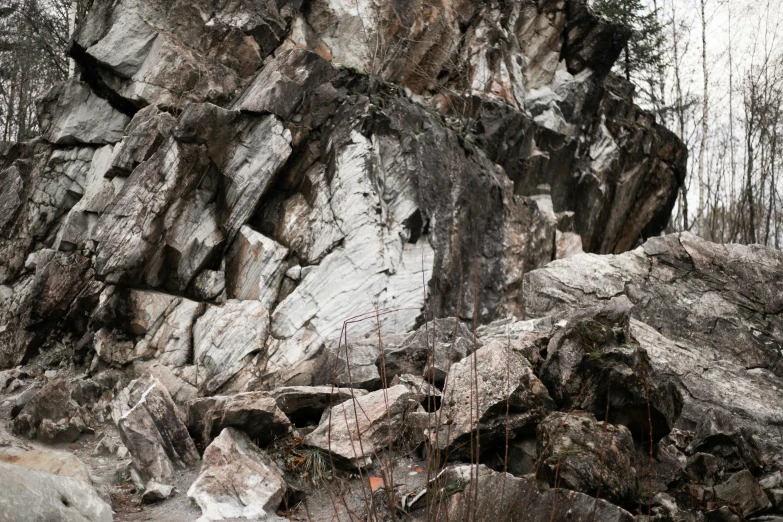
(595, 356)
(311, 463)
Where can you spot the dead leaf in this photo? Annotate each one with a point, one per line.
(376, 483)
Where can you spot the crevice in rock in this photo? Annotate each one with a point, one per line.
(416, 225)
(91, 74)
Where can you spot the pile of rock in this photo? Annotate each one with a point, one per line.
(259, 250)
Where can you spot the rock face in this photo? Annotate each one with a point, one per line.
(357, 231)
(237, 480)
(260, 165)
(29, 495)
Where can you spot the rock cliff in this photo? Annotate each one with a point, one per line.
(236, 205)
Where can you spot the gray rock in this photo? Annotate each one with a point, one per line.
(164, 323)
(723, 514)
(255, 413)
(110, 350)
(529, 337)
(282, 84)
(96, 192)
(577, 452)
(51, 415)
(773, 480)
(305, 404)
(504, 497)
(429, 396)
(247, 151)
(703, 468)
(154, 492)
(70, 114)
(356, 430)
(209, 285)
(667, 280)
(128, 239)
(354, 365)
(58, 463)
(237, 480)
(172, 54)
(735, 448)
(743, 491)
(224, 337)
(31, 496)
(151, 429)
(142, 137)
(593, 360)
(776, 495)
(60, 292)
(504, 379)
(255, 267)
(20, 399)
(432, 349)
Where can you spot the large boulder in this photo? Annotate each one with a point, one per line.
(594, 364)
(500, 496)
(255, 413)
(70, 113)
(224, 338)
(577, 452)
(356, 430)
(255, 267)
(32, 496)
(743, 491)
(51, 415)
(237, 480)
(59, 463)
(430, 350)
(151, 429)
(353, 364)
(486, 395)
(694, 305)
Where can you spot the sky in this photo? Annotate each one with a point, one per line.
(753, 30)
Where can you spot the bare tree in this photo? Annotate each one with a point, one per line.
(705, 106)
(34, 39)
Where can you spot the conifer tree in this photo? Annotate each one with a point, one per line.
(644, 53)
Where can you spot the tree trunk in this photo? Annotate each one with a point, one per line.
(704, 111)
